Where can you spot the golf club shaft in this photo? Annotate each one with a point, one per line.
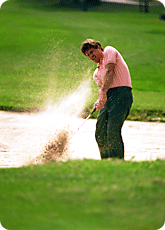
(84, 121)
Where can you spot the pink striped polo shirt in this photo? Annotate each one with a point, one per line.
(122, 74)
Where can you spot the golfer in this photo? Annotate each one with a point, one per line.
(114, 97)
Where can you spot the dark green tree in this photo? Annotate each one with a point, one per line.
(90, 3)
(144, 4)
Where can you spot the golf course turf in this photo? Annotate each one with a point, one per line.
(40, 62)
(88, 194)
(40, 55)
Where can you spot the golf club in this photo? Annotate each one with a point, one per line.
(84, 121)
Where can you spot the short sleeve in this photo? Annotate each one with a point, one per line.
(110, 55)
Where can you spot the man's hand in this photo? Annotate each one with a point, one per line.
(102, 98)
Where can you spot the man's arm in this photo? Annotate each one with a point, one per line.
(103, 88)
(108, 76)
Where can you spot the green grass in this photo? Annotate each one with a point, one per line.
(84, 194)
(40, 58)
(40, 61)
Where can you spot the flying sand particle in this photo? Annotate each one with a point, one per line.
(58, 123)
(56, 149)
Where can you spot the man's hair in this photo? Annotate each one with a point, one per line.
(90, 43)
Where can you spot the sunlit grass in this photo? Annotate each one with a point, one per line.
(84, 194)
(41, 59)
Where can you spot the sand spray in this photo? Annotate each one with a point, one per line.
(58, 123)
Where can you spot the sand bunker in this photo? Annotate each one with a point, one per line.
(24, 137)
(35, 138)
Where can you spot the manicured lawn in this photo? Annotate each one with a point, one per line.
(86, 194)
(40, 58)
(40, 62)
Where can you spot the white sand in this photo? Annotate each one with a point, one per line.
(23, 137)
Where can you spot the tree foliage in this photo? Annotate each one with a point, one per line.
(144, 4)
(84, 4)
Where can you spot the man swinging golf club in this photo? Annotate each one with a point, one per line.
(114, 97)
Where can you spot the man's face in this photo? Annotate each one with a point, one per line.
(94, 54)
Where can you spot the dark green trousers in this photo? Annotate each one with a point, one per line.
(110, 121)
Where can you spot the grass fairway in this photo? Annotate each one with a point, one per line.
(83, 195)
(40, 61)
(40, 58)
